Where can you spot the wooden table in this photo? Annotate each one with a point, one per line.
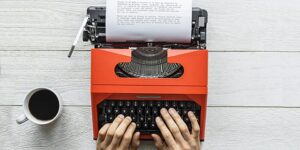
(254, 74)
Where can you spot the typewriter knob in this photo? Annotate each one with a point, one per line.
(85, 36)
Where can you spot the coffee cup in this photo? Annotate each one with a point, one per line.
(41, 106)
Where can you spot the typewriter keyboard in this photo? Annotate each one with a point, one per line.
(143, 113)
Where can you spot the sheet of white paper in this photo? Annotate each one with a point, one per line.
(148, 21)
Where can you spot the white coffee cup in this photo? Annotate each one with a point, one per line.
(41, 106)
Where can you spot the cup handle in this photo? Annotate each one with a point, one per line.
(21, 119)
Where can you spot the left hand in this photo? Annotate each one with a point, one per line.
(119, 135)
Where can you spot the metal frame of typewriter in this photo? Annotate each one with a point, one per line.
(106, 85)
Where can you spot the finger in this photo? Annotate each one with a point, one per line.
(172, 125)
(165, 131)
(158, 142)
(120, 131)
(102, 133)
(127, 136)
(180, 123)
(195, 125)
(135, 141)
(112, 129)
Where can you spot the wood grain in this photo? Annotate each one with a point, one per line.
(235, 79)
(236, 25)
(227, 129)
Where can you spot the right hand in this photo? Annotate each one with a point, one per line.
(175, 132)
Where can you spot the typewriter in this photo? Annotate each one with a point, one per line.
(137, 79)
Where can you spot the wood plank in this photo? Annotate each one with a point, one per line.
(237, 25)
(227, 128)
(254, 79)
(252, 128)
(22, 71)
(235, 79)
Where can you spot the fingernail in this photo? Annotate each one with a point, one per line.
(129, 118)
(157, 119)
(133, 124)
(121, 116)
(138, 133)
(190, 113)
(172, 111)
(163, 110)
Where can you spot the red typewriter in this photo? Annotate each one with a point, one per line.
(137, 79)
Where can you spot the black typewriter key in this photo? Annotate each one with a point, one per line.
(124, 111)
(141, 119)
(135, 104)
(112, 104)
(152, 125)
(179, 112)
(108, 110)
(174, 104)
(189, 104)
(145, 125)
(110, 119)
(143, 104)
(132, 111)
(138, 125)
(116, 111)
(186, 119)
(167, 104)
(120, 103)
(105, 118)
(127, 103)
(148, 118)
(104, 104)
(133, 118)
(139, 110)
(150, 104)
(155, 111)
(181, 105)
(158, 104)
(147, 111)
(185, 112)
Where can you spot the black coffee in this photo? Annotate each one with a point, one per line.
(44, 105)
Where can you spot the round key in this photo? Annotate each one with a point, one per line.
(128, 103)
(112, 104)
(120, 103)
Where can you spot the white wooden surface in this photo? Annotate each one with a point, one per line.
(254, 73)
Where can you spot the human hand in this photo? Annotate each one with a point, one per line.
(118, 135)
(175, 132)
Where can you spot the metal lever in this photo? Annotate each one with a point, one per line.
(78, 35)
